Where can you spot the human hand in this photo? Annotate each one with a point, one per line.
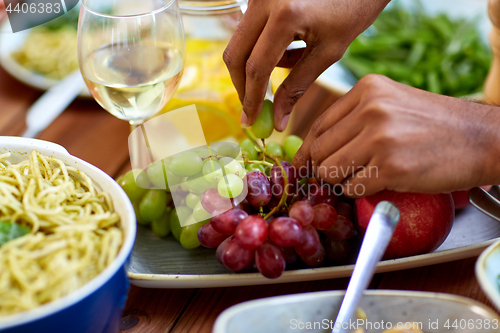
(383, 135)
(259, 45)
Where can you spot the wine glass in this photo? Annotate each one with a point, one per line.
(131, 54)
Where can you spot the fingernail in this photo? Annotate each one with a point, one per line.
(244, 118)
(284, 122)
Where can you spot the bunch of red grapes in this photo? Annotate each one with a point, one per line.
(280, 220)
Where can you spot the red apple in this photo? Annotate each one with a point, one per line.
(461, 198)
(425, 222)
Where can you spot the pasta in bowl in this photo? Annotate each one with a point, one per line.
(65, 268)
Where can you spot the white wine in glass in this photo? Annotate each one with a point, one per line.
(131, 55)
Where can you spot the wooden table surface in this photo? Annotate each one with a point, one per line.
(88, 132)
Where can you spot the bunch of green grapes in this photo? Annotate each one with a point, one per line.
(167, 194)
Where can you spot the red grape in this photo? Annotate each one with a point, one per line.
(325, 216)
(320, 194)
(236, 257)
(290, 255)
(222, 248)
(273, 203)
(316, 259)
(338, 251)
(209, 237)
(251, 232)
(226, 221)
(211, 200)
(302, 211)
(342, 229)
(309, 242)
(245, 206)
(270, 260)
(259, 189)
(278, 181)
(285, 231)
(344, 209)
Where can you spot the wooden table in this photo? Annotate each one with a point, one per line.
(87, 131)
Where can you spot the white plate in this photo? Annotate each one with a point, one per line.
(488, 273)
(291, 313)
(10, 42)
(163, 263)
(340, 81)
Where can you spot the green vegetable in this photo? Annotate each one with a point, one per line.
(10, 231)
(430, 52)
(264, 124)
(68, 19)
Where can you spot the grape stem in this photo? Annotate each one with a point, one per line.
(285, 191)
(285, 177)
(256, 162)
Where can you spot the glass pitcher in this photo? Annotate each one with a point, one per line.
(209, 25)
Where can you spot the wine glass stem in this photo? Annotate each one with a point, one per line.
(140, 153)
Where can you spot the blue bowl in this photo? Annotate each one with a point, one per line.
(97, 306)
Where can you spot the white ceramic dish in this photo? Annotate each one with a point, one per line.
(20, 149)
(488, 273)
(291, 313)
(163, 263)
(9, 42)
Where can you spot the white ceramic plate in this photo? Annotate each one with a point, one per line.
(9, 42)
(488, 273)
(292, 313)
(163, 263)
(340, 81)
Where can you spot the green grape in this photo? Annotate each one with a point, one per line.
(226, 149)
(232, 166)
(212, 171)
(152, 205)
(291, 145)
(128, 184)
(258, 167)
(178, 218)
(172, 180)
(186, 164)
(142, 180)
(192, 199)
(274, 149)
(264, 124)
(161, 226)
(138, 216)
(183, 184)
(250, 151)
(198, 184)
(200, 214)
(156, 175)
(119, 179)
(230, 186)
(203, 152)
(189, 233)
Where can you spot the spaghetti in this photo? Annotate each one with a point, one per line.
(75, 232)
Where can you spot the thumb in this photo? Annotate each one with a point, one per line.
(313, 62)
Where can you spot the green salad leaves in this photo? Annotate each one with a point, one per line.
(431, 52)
